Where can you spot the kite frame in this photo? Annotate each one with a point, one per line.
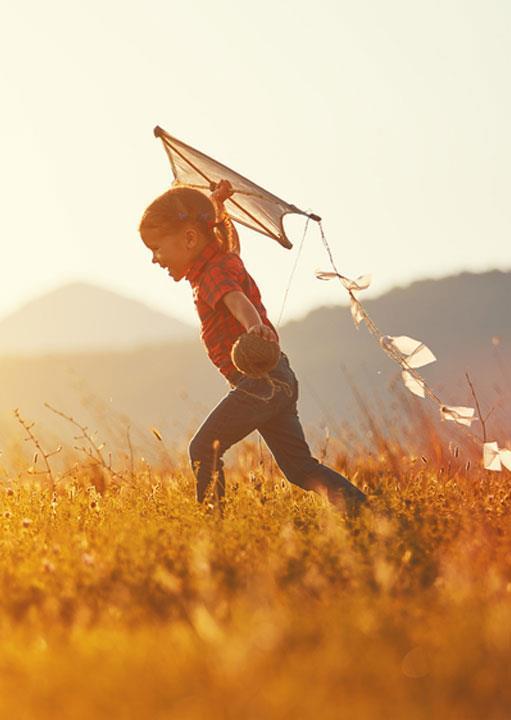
(282, 238)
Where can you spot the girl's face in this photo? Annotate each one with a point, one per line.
(173, 250)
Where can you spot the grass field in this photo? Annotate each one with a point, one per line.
(122, 598)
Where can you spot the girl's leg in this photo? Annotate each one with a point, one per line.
(235, 417)
(283, 433)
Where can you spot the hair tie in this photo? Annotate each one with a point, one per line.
(182, 215)
(215, 223)
(204, 216)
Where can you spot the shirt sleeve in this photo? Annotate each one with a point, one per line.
(221, 278)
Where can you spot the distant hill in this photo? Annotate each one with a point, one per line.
(83, 317)
(464, 319)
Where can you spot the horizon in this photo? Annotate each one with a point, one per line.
(96, 286)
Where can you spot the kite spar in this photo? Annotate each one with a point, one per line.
(262, 211)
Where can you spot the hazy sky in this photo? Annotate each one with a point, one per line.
(391, 119)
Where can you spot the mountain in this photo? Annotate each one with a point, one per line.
(464, 319)
(81, 317)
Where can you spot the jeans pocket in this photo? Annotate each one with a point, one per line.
(285, 378)
(281, 383)
(285, 372)
(256, 387)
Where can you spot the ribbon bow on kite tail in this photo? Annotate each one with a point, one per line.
(237, 198)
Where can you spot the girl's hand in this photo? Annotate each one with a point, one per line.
(222, 191)
(264, 331)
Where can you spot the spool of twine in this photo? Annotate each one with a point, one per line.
(255, 357)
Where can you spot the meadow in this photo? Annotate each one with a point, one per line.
(121, 597)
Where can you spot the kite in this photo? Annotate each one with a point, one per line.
(257, 208)
(254, 207)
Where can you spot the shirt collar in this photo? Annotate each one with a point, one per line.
(207, 252)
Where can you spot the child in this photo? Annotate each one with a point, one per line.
(191, 236)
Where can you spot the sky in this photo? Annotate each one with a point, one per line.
(389, 119)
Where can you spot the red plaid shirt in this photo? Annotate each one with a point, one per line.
(212, 274)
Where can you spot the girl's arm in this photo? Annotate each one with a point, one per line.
(227, 230)
(245, 312)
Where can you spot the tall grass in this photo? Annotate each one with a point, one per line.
(121, 597)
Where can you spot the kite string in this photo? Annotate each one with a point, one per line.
(293, 271)
(389, 350)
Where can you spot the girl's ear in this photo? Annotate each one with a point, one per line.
(191, 237)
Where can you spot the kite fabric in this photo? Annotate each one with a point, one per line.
(249, 205)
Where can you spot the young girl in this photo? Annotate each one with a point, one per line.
(191, 236)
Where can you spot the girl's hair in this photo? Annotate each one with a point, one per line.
(181, 205)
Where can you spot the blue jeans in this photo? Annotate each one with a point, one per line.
(253, 404)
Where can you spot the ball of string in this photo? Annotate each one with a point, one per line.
(256, 357)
